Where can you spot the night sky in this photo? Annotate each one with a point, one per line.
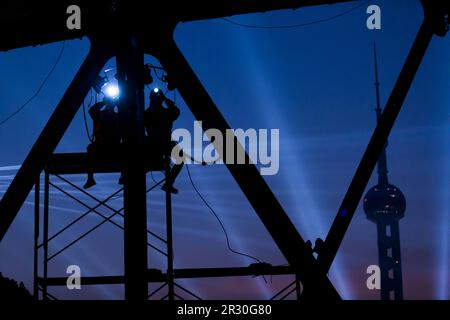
(314, 83)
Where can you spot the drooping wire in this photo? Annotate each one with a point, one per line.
(219, 220)
(299, 24)
(90, 137)
(153, 178)
(160, 78)
(39, 89)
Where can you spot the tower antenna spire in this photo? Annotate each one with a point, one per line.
(377, 81)
(382, 162)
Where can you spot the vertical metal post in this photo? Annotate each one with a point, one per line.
(130, 62)
(298, 288)
(45, 232)
(36, 238)
(170, 278)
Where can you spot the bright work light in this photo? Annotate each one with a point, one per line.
(111, 91)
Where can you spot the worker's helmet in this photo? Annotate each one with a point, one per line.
(156, 93)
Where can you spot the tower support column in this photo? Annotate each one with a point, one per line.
(389, 260)
(130, 62)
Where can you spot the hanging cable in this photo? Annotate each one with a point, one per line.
(153, 178)
(160, 78)
(203, 163)
(155, 68)
(218, 219)
(90, 137)
(41, 86)
(299, 24)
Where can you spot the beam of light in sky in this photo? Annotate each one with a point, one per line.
(444, 239)
(443, 280)
(309, 219)
(10, 168)
(7, 177)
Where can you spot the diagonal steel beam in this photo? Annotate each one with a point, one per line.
(375, 146)
(246, 175)
(50, 136)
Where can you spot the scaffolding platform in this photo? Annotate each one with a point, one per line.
(78, 163)
(60, 164)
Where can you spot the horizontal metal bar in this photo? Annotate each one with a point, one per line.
(79, 163)
(153, 275)
(157, 276)
(232, 272)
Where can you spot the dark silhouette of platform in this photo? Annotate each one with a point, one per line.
(78, 163)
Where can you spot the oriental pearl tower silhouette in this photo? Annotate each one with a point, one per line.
(385, 204)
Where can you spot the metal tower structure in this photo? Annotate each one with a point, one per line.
(128, 29)
(385, 205)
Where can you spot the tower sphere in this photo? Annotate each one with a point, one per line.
(384, 202)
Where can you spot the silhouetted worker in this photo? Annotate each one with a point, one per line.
(158, 124)
(309, 246)
(319, 246)
(107, 135)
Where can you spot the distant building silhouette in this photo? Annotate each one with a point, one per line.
(384, 205)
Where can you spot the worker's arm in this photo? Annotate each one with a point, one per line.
(95, 109)
(174, 110)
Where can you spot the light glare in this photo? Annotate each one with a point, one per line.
(111, 91)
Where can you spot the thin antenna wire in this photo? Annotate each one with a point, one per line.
(377, 81)
(299, 24)
(39, 88)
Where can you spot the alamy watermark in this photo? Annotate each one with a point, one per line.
(230, 147)
(373, 22)
(74, 278)
(374, 280)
